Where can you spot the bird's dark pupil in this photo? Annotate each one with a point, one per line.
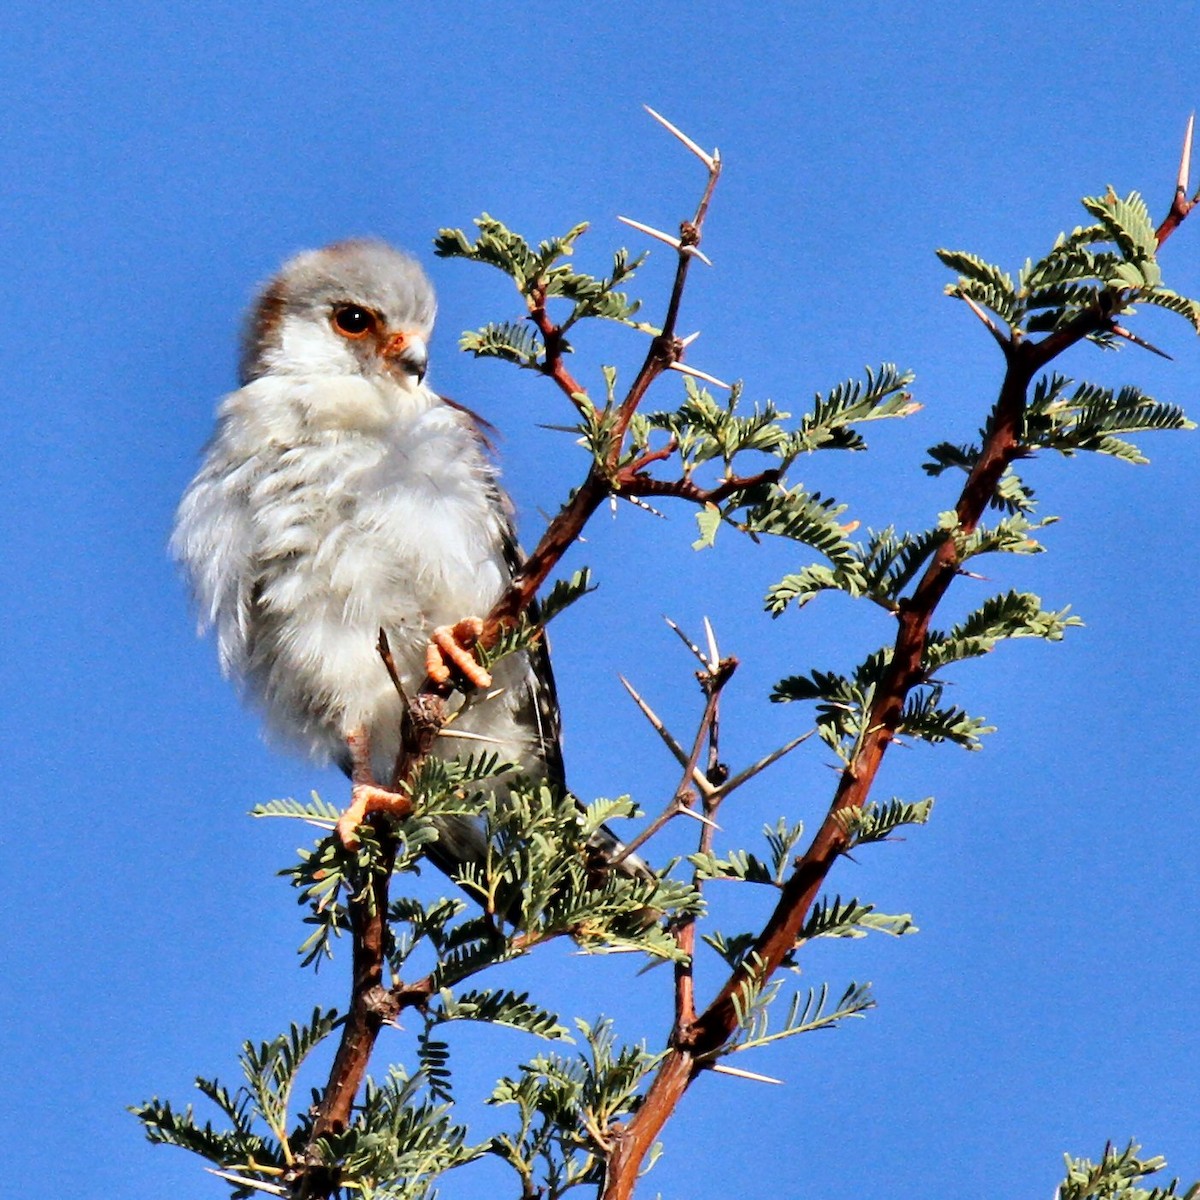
(353, 319)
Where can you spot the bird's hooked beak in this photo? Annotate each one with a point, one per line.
(408, 352)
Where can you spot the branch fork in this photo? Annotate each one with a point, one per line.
(694, 1039)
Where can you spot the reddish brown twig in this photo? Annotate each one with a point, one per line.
(370, 1003)
(607, 479)
(423, 718)
(553, 341)
(709, 1031)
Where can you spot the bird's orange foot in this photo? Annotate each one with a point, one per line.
(366, 798)
(450, 649)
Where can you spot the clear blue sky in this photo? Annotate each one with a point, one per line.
(158, 161)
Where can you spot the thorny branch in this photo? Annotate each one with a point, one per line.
(714, 675)
(717, 1023)
(371, 1004)
(695, 1037)
(609, 478)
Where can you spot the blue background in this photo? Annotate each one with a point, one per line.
(157, 162)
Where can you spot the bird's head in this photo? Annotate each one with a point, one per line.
(356, 307)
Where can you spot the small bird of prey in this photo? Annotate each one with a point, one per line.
(340, 496)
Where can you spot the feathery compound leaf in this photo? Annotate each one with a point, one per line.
(885, 565)
(805, 1014)
(433, 1055)
(1173, 302)
(738, 864)
(828, 426)
(833, 918)
(875, 822)
(984, 282)
(704, 429)
(1127, 223)
(424, 923)
(802, 586)
(1070, 264)
(946, 455)
(325, 878)
(1014, 495)
(782, 840)
(598, 297)
(513, 341)
(841, 704)
(270, 1067)
(734, 947)
(165, 1126)
(924, 717)
(804, 517)
(551, 250)
(316, 811)
(891, 561)
(566, 1108)
(564, 593)
(1011, 535)
(395, 1149)
(1012, 615)
(496, 245)
(500, 1007)
(1092, 417)
(1115, 1177)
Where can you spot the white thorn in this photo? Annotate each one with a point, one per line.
(684, 369)
(1185, 160)
(242, 1181)
(691, 812)
(470, 737)
(709, 160)
(722, 1069)
(650, 231)
(638, 502)
(714, 655)
(671, 241)
(687, 341)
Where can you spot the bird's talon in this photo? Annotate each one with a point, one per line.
(366, 798)
(450, 649)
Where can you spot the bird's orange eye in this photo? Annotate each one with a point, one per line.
(352, 321)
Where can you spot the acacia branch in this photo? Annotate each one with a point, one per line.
(554, 342)
(631, 482)
(603, 479)
(710, 1031)
(370, 1003)
(424, 717)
